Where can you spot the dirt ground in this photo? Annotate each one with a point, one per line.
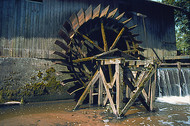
(82, 117)
(61, 114)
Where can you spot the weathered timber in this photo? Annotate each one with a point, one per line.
(132, 27)
(84, 59)
(62, 45)
(117, 38)
(67, 27)
(88, 13)
(120, 16)
(104, 37)
(74, 22)
(104, 12)
(71, 92)
(61, 54)
(119, 87)
(96, 11)
(89, 40)
(81, 17)
(126, 21)
(138, 92)
(86, 91)
(111, 85)
(91, 100)
(112, 13)
(100, 92)
(132, 88)
(64, 36)
(108, 94)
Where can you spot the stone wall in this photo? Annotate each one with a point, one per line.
(18, 72)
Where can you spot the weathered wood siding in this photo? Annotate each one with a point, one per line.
(29, 29)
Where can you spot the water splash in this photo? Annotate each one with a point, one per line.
(179, 100)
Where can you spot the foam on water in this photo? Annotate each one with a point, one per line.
(179, 100)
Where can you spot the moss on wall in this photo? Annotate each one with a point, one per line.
(48, 86)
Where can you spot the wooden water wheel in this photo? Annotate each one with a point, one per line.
(89, 33)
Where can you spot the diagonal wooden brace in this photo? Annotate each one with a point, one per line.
(138, 92)
(86, 91)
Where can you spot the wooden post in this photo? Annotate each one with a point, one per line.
(128, 91)
(153, 89)
(119, 87)
(91, 94)
(100, 92)
(181, 81)
(149, 92)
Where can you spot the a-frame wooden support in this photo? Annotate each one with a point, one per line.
(120, 80)
(103, 84)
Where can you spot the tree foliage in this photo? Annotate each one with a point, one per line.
(182, 19)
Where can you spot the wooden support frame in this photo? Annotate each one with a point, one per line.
(120, 82)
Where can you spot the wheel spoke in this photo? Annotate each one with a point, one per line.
(117, 38)
(106, 48)
(104, 37)
(128, 46)
(83, 59)
(89, 40)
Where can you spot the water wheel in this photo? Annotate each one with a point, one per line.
(89, 33)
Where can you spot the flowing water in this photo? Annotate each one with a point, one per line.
(173, 108)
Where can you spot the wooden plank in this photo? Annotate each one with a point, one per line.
(74, 22)
(90, 94)
(140, 78)
(62, 45)
(121, 87)
(120, 16)
(81, 17)
(89, 40)
(112, 13)
(117, 38)
(88, 13)
(104, 37)
(153, 89)
(152, 96)
(111, 61)
(64, 36)
(67, 26)
(61, 54)
(117, 88)
(181, 80)
(100, 92)
(86, 91)
(126, 21)
(104, 12)
(132, 27)
(96, 11)
(104, 79)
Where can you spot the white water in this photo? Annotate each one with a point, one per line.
(171, 88)
(179, 100)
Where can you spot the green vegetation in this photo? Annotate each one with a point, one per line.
(182, 20)
(49, 85)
